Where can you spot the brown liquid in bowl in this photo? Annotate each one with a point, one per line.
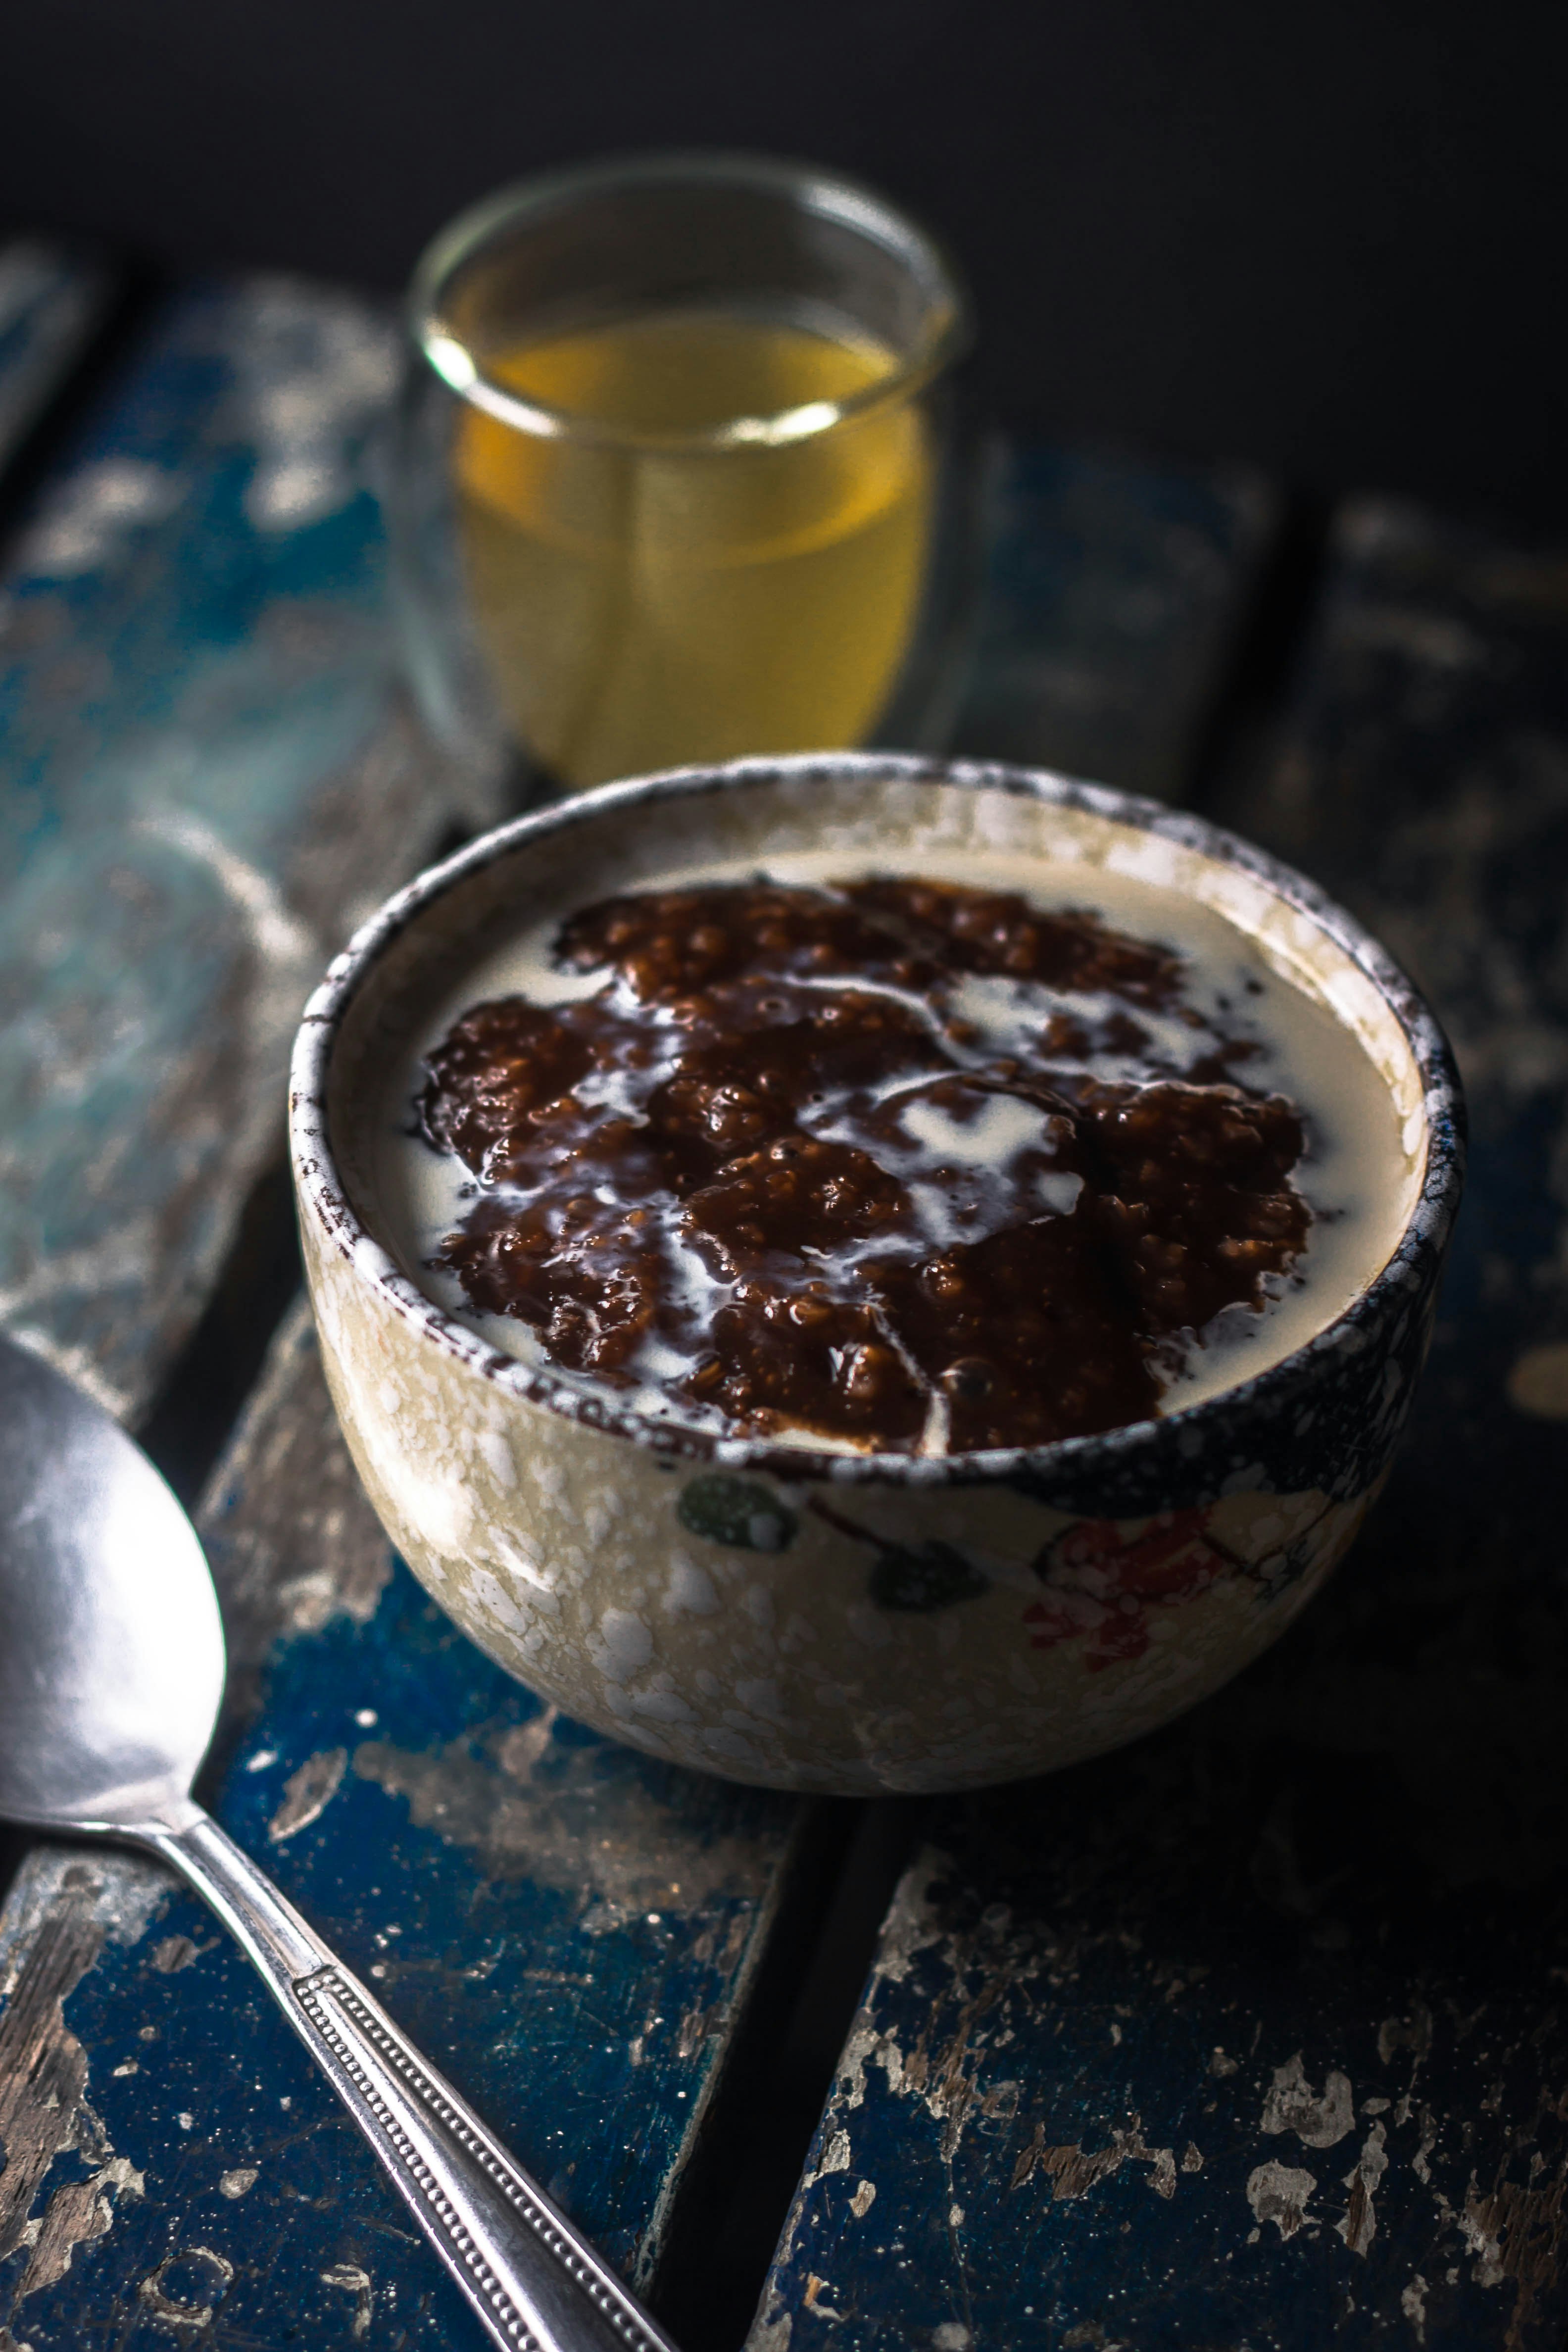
(769, 1166)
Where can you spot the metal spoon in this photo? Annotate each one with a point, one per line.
(111, 1672)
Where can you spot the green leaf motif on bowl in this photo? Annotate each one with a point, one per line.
(738, 1511)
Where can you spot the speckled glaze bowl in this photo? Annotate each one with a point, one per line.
(811, 1620)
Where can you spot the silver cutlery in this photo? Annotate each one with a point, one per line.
(112, 1674)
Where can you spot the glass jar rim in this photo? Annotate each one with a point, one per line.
(944, 337)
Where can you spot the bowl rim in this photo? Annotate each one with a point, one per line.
(323, 1195)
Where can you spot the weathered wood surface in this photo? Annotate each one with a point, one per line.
(50, 302)
(1257, 2034)
(1113, 598)
(207, 774)
(202, 785)
(564, 1927)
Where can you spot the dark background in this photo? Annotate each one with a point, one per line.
(1331, 238)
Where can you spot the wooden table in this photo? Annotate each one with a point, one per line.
(1255, 2032)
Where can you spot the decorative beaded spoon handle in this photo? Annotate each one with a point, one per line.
(534, 2281)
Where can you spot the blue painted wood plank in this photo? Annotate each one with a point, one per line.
(1114, 589)
(207, 771)
(51, 301)
(1255, 2034)
(570, 1931)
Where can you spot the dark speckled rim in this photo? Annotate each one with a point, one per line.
(324, 1198)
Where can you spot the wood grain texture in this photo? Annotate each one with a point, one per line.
(1256, 2033)
(208, 773)
(206, 776)
(568, 1930)
(1114, 592)
(51, 301)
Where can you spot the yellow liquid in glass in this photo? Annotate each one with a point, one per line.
(644, 606)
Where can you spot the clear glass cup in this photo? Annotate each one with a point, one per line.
(674, 476)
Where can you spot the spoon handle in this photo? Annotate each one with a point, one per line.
(537, 2285)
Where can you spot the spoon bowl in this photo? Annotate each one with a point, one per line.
(112, 1651)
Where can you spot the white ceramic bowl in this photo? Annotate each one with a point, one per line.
(954, 1621)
